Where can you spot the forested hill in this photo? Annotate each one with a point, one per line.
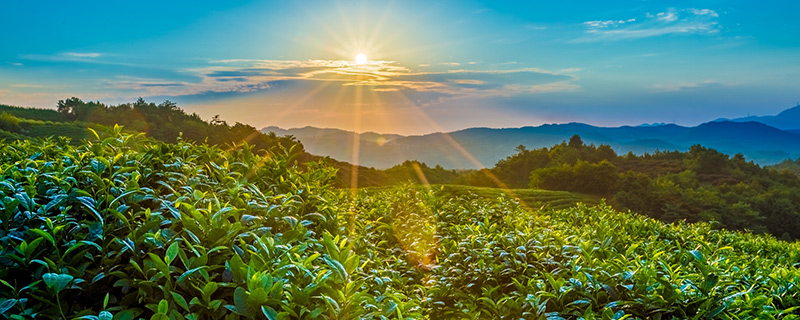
(757, 141)
(165, 121)
(702, 184)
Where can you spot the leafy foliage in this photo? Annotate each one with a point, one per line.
(138, 228)
(699, 185)
(125, 227)
(499, 260)
(167, 122)
(34, 113)
(788, 165)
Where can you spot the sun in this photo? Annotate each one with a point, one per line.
(361, 58)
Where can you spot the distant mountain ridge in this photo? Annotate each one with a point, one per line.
(788, 119)
(482, 147)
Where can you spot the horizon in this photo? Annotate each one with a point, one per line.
(410, 68)
(654, 124)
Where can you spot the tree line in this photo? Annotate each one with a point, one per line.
(699, 185)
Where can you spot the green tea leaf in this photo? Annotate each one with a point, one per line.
(270, 313)
(7, 305)
(337, 268)
(105, 315)
(45, 235)
(57, 281)
(172, 252)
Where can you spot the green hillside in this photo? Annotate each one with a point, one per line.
(14, 125)
(34, 113)
(165, 122)
(126, 227)
(702, 184)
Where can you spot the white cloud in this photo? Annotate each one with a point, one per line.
(597, 24)
(83, 54)
(669, 16)
(674, 87)
(505, 63)
(672, 21)
(702, 12)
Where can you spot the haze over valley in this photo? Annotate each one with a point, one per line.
(476, 148)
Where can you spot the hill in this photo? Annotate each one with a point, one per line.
(788, 119)
(475, 148)
(165, 122)
(702, 184)
(127, 227)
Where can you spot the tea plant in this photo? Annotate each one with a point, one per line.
(126, 227)
(129, 227)
(499, 260)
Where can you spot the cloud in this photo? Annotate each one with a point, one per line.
(669, 16)
(82, 54)
(597, 24)
(83, 57)
(242, 76)
(535, 27)
(672, 21)
(675, 87)
(702, 12)
(26, 85)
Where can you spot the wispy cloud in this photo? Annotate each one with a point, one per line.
(597, 24)
(26, 85)
(380, 76)
(82, 54)
(86, 57)
(535, 27)
(669, 16)
(674, 87)
(672, 21)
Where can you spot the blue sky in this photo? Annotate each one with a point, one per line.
(433, 65)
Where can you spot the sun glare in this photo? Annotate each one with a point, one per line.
(361, 58)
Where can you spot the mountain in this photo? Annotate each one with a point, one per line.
(483, 147)
(788, 119)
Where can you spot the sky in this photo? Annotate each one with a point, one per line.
(431, 65)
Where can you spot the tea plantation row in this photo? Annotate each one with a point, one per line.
(125, 227)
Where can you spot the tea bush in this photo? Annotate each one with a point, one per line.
(500, 260)
(126, 227)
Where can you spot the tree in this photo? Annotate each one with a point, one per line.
(575, 141)
(217, 121)
(69, 107)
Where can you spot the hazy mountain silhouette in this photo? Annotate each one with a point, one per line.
(483, 147)
(788, 119)
(476, 147)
